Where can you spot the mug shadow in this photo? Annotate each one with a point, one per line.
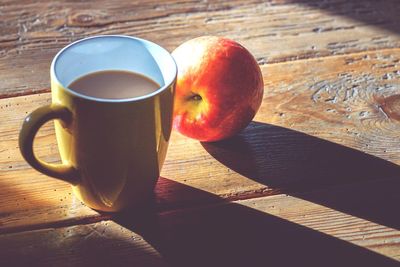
(292, 161)
(230, 234)
(219, 233)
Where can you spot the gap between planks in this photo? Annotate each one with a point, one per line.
(160, 209)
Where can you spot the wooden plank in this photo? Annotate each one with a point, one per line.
(340, 99)
(301, 230)
(278, 230)
(97, 244)
(276, 31)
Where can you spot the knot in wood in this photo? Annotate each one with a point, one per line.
(83, 19)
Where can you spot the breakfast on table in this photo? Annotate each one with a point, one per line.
(199, 133)
(116, 103)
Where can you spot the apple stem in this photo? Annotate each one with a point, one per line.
(195, 97)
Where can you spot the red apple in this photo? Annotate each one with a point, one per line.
(219, 88)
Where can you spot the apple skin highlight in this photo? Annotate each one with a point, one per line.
(219, 88)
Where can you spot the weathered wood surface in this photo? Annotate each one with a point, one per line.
(312, 181)
(279, 230)
(349, 100)
(31, 32)
(98, 244)
(284, 230)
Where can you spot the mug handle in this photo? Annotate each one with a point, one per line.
(30, 126)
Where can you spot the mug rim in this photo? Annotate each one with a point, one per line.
(166, 85)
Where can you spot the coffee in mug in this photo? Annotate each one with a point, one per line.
(114, 84)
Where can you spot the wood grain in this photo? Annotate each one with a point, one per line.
(269, 229)
(32, 32)
(281, 230)
(98, 244)
(322, 123)
(312, 181)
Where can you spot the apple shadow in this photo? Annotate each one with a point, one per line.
(230, 234)
(294, 162)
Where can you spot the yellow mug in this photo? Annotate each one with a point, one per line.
(112, 150)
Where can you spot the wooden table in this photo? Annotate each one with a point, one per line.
(312, 181)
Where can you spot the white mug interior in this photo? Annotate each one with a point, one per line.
(114, 52)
